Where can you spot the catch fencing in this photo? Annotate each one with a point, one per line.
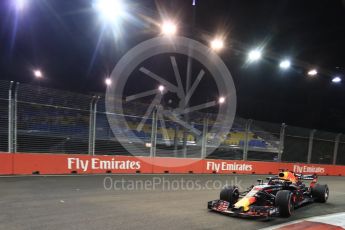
(35, 119)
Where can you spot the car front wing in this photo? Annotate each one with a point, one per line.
(224, 207)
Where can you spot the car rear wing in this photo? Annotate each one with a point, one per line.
(306, 176)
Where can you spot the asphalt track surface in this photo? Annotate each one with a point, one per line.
(82, 202)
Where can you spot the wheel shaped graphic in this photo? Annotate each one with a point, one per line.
(134, 58)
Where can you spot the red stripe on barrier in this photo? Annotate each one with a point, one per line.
(6, 164)
(177, 165)
(119, 164)
(29, 163)
(50, 164)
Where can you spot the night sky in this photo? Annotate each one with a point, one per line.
(75, 51)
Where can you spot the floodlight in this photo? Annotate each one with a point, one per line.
(221, 100)
(20, 4)
(38, 73)
(312, 72)
(110, 10)
(107, 81)
(254, 55)
(217, 44)
(285, 64)
(169, 28)
(161, 88)
(336, 80)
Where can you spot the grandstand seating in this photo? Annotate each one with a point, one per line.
(41, 119)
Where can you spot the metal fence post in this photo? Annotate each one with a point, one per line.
(310, 146)
(184, 143)
(94, 126)
(336, 146)
(15, 118)
(246, 140)
(176, 140)
(154, 133)
(91, 125)
(204, 138)
(10, 119)
(281, 141)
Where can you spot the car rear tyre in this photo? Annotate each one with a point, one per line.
(320, 192)
(230, 194)
(284, 203)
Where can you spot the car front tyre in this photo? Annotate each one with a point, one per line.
(320, 192)
(283, 202)
(230, 194)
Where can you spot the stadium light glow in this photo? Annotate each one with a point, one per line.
(169, 28)
(312, 72)
(161, 88)
(20, 4)
(285, 64)
(38, 73)
(336, 80)
(254, 55)
(217, 44)
(107, 81)
(110, 10)
(221, 100)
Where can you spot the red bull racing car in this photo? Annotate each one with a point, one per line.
(276, 197)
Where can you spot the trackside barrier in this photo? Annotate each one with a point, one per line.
(6, 163)
(177, 165)
(27, 164)
(260, 167)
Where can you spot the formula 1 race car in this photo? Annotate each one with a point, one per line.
(277, 197)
